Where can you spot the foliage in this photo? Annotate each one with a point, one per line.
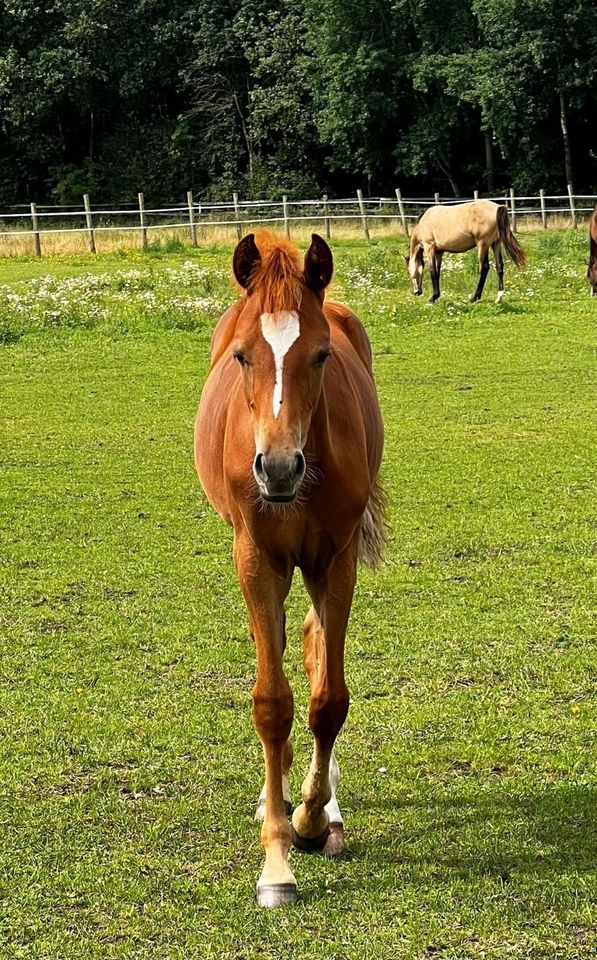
(311, 96)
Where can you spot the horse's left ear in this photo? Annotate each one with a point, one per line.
(319, 264)
(246, 259)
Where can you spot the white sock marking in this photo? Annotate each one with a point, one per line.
(280, 330)
(332, 808)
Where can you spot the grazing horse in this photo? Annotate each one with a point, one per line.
(592, 271)
(456, 229)
(288, 445)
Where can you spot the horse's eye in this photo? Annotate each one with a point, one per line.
(238, 355)
(322, 356)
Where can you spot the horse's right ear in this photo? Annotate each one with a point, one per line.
(246, 259)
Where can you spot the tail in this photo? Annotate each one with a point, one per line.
(513, 248)
(374, 528)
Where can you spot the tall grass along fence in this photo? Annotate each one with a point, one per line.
(44, 229)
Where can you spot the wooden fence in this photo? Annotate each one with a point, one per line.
(240, 216)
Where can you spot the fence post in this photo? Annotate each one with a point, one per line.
(239, 229)
(543, 213)
(89, 221)
(402, 214)
(36, 236)
(326, 220)
(286, 220)
(142, 222)
(476, 194)
(192, 217)
(572, 208)
(363, 217)
(512, 209)
(437, 197)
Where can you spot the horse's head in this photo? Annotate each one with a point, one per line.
(414, 265)
(592, 275)
(281, 342)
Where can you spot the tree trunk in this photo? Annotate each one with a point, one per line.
(489, 162)
(246, 135)
(566, 139)
(91, 132)
(445, 169)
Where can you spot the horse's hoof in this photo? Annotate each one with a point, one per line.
(309, 844)
(276, 894)
(260, 811)
(334, 845)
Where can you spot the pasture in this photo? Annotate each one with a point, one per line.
(129, 768)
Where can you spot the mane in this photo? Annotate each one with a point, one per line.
(278, 278)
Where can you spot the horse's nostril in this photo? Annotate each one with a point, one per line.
(259, 468)
(299, 464)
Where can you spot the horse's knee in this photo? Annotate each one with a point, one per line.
(273, 713)
(327, 713)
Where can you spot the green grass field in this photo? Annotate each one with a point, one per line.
(129, 768)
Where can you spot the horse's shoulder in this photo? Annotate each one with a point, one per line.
(344, 320)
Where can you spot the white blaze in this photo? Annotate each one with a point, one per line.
(280, 330)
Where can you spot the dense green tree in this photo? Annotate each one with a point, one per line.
(305, 97)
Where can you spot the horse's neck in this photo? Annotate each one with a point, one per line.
(415, 241)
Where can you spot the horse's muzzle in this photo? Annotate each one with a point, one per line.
(279, 476)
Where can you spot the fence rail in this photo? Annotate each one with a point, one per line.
(197, 216)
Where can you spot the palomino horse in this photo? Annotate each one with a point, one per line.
(592, 271)
(456, 229)
(288, 444)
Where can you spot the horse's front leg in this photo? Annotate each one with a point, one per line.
(435, 264)
(265, 592)
(332, 599)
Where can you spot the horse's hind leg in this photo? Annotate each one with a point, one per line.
(265, 592)
(499, 267)
(483, 255)
(313, 643)
(332, 599)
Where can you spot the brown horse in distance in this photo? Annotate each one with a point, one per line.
(456, 229)
(288, 445)
(592, 271)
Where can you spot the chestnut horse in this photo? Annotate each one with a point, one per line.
(456, 229)
(592, 271)
(288, 445)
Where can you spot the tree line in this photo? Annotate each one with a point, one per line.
(304, 97)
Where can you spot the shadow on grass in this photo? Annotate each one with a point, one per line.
(552, 831)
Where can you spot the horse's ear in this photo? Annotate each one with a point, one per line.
(246, 259)
(319, 264)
